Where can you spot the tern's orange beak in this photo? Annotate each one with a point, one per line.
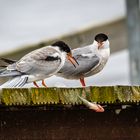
(72, 59)
(100, 45)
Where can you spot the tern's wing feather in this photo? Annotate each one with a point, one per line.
(79, 51)
(7, 73)
(86, 63)
(44, 60)
(15, 82)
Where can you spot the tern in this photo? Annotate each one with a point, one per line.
(37, 65)
(91, 59)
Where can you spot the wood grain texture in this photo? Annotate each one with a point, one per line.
(46, 96)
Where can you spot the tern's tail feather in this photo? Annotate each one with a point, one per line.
(15, 82)
(7, 73)
(2, 70)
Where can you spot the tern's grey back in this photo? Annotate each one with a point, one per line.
(86, 63)
(44, 61)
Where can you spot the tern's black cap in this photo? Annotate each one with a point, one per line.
(62, 45)
(101, 37)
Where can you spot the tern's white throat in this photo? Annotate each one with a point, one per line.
(105, 45)
(104, 51)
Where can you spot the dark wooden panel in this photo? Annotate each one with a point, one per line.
(70, 124)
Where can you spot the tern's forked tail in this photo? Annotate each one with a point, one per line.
(16, 82)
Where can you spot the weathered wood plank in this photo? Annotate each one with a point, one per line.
(70, 125)
(44, 96)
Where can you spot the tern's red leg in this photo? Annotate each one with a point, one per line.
(43, 83)
(35, 84)
(82, 81)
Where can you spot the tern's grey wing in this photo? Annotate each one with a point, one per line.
(86, 63)
(44, 61)
(83, 50)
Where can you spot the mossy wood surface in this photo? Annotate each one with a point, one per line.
(44, 96)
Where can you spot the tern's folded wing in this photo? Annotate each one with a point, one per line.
(86, 63)
(44, 60)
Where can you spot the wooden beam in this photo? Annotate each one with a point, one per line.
(45, 96)
(70, 125)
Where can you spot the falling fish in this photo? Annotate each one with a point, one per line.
(93, 106)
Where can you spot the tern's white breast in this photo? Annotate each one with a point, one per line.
(43, 75)
(104, 55)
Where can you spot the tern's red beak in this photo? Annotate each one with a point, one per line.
(100, 45)
(72, 59)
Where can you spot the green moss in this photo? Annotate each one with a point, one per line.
(38, 96)
(15, 96)
(102, 94)
(135, 93)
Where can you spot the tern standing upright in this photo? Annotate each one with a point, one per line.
(91, 59)
(38, 65)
